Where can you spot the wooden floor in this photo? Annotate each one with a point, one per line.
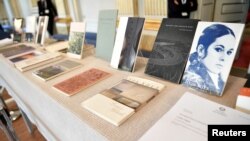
(20, 127)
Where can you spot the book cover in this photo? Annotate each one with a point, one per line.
(76, 40)
(171, 49)
(49, 72)
(81, 81)
(108, 109)
(131, 44)
(57, 47)
(243, 100)
(37, 61)
(41, 29)
(18, 25)
(127, 91)
(119, 40)
(52, 71)
(106, 26)
(210, 60)
(119, 102)
(25, 56)
(16, 50)
(127, 42)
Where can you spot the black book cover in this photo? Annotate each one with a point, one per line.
(171, 49)
(131, 43)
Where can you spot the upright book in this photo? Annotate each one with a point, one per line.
(106, 33)
(210, 60)
(55, 70)
(41, 29)
(80, 81)
(171, 49)
(18, 25)
(76, 39)
(119, 102)
(127, 43)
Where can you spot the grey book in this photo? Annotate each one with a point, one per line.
(106, 33)
(131, 43)
(171, 49)
(126, 43)
(55, 70)
(16, 50)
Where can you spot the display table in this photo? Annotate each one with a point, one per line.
(59, 117)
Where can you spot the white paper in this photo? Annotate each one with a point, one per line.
(188, 120)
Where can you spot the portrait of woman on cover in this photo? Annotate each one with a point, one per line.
(214, 52)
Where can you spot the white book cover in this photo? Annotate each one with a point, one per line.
(41, 29)
(108, 109)
(37, 61)
(30, 24)
(189, 118)
(119, 40)
(76, 39)
(212, 53)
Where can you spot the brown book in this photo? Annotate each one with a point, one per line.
(16, 50)
(81, 81)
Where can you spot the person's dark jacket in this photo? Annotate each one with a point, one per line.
(180, 10)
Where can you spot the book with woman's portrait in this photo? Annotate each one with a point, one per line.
(212, 53)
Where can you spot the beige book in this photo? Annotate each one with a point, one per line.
(108, 109)
(57, 47)
(37, 61)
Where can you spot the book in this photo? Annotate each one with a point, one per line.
(130, 93)
(127, 43)
(243, 100)
(108, 109)
(30, 28)
(37, 61)
(171, 49)
(76, 40)
(41, 29)
(121, 101)
(16, 50)
(25, 56)
(58, 47)
(212, 53)
(106, 26)
(18, 25)
(81, 81)
(191, 116)
(55, 70)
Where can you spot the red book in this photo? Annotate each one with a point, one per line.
(81, 81)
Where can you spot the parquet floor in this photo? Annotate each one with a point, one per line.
(20, 127)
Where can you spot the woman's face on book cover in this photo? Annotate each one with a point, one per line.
(219, 53)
